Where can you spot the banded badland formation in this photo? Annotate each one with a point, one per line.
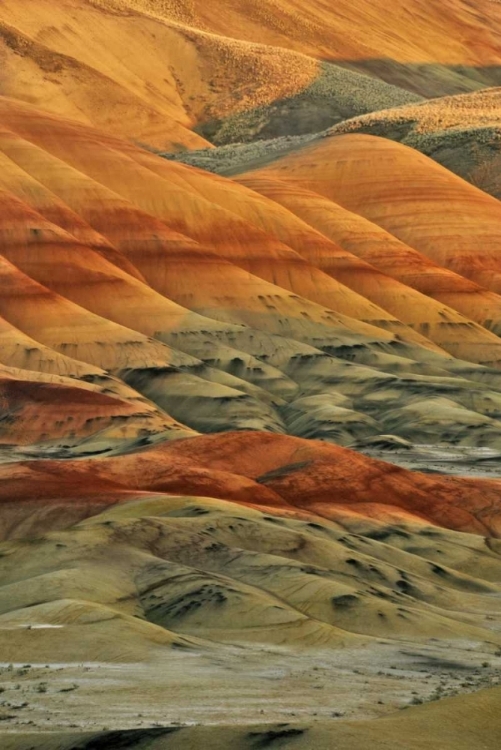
(250, 374)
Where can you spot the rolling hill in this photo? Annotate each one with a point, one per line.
(250, 374)
(460, 132)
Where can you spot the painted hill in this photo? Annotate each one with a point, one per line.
(460, 132)
(177, 302)
(122, 254)
(387, 183)
(290, 473)
(200, 374)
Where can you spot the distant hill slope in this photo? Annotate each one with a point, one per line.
(177, 76)
(197, 73)
(418, 44)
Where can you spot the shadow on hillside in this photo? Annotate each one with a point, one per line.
(344, 90)
(428, 80)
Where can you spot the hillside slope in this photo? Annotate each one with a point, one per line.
(221, 70)
(460, 132)
(177, 75)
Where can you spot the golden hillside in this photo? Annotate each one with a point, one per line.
(199, 65)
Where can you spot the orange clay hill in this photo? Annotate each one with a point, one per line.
(452, 223)
(250, 415)
(285, 475)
